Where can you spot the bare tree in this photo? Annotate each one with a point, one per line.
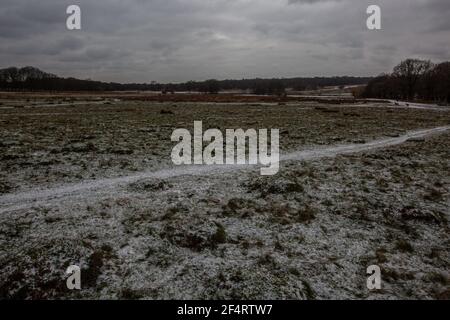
(441, 82)
(408, 73)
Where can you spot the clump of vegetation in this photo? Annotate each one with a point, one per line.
(93, 270)
(173, 211)
(412, 213)
(5, 187)
(381, 255)
(275, 186)
(240, 207)
(220, 236)
(382, 184)
(287, 214)
(130, 294)
(149, 185)
(443, 295)
(193, 240)
(121, 151)
(404, 246)
(305, 214)
(309, 292)
(194, 236)
(435, 253)
(267, 259)
(294, 271)
(391, 275)
(234, 205)
(437, 277)
(433, 194)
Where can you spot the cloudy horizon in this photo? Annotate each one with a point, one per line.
(181, 40)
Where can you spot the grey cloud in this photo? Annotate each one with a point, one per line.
(178, 40)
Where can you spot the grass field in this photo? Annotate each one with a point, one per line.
(88, 180)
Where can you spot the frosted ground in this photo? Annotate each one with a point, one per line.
(91, 183)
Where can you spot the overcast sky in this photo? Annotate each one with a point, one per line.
(179, 40)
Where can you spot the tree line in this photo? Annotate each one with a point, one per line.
(32, 79)
(413, 79)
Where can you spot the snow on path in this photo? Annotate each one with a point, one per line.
(412, 105)
(85, 189)
(353, 148)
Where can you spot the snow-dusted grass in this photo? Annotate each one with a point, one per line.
(108, 200)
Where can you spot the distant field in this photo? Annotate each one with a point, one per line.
(329, 96)
(88, 179)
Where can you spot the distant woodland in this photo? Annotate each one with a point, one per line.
(413, 79)
(33, 79)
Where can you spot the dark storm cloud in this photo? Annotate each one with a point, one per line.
(178, 40)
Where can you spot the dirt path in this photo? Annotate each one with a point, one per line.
(23, 200)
